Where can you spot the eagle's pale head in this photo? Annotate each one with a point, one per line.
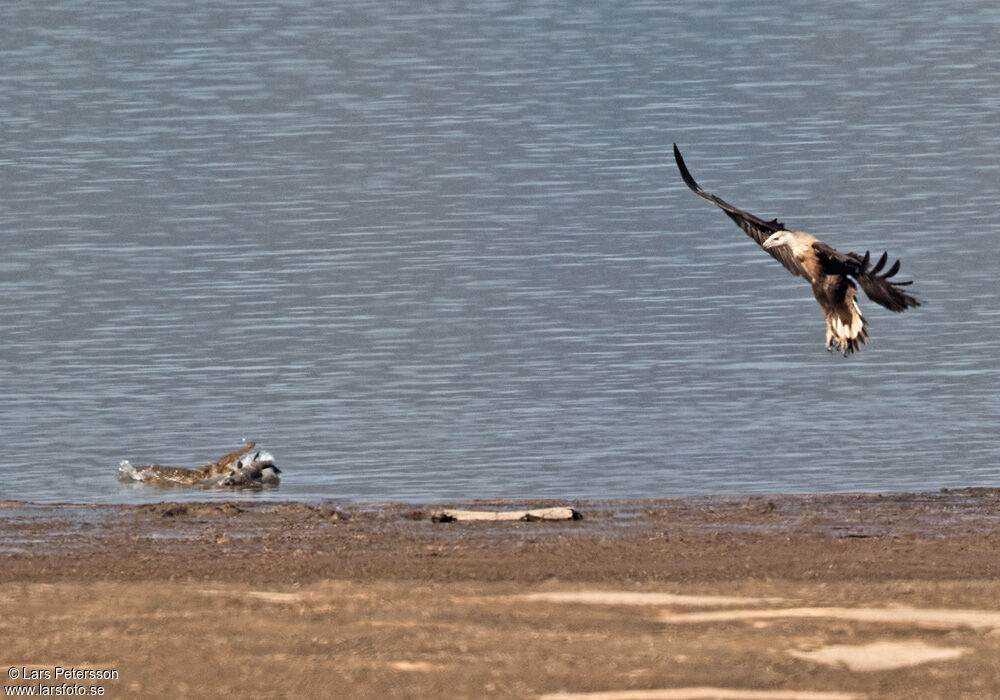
(778, 239)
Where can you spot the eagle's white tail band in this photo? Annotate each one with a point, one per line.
(846, 337)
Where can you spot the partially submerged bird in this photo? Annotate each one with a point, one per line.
(828, 271)
(237, 468)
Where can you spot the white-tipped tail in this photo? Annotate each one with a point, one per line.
(846, 328)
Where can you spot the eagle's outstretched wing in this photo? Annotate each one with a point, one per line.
(754, 226)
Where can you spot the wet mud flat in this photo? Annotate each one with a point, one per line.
(847, 595)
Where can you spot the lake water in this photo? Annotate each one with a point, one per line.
(440, 250)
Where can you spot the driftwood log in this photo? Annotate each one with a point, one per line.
(561, 513)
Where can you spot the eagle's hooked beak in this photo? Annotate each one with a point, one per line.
(770, 242)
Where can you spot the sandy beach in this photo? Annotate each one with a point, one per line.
(829, 596)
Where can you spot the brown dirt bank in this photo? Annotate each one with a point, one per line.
(842, 537)
(820, 597)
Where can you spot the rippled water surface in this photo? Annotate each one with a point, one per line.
(441, 251)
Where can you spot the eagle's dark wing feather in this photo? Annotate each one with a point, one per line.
(754, 226)
(877, 286)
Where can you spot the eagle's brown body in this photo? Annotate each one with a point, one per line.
(828, 271)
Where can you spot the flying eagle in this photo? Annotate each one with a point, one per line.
(828, 271)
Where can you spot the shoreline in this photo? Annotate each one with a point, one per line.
(858, 596)
(861, 536)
